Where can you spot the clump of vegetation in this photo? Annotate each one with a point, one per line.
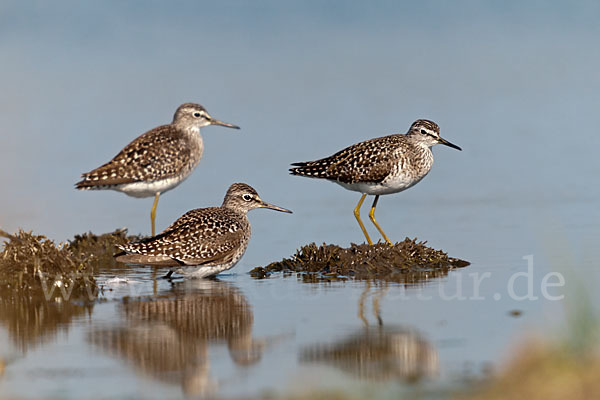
(406, 261)
(100, 249)
(559, 368)
(545, 371)
(44, 285)
(34, 265)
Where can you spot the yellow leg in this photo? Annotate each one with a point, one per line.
(153, 213)
(357, 215)
(372, 217)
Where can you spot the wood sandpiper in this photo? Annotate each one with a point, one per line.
(156, 161)
(202, 242)
(379, 166)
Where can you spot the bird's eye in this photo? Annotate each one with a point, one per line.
(247, 197)
(197, 114)
(425, 132)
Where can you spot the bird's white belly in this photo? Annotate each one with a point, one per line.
(391, 185)
(204, 271)
(148, 189)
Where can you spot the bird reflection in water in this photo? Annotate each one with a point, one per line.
(378, 352)
(168, 337)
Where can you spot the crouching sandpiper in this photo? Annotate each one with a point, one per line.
(203, 242)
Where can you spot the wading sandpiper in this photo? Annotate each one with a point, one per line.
(385, 165)
(156, 161)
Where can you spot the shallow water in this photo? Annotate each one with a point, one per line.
(237, 336)
(515, 86)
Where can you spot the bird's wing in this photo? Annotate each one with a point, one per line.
(157, 154)
(200, 237)
(368, 161)
(220, 251)
(188, 218)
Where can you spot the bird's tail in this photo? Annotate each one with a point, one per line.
(311, 169)
(85, 184)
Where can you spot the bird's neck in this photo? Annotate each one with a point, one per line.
(186, 127)
(420, 142)
(426, 155)
(195, 142)
(235, 208)
(193, 130)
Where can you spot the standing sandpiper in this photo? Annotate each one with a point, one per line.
(156, 161)
(379, 166)
(202, 242)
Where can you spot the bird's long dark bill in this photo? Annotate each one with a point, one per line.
(221, 123)
(273, 207)
(447, 143)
